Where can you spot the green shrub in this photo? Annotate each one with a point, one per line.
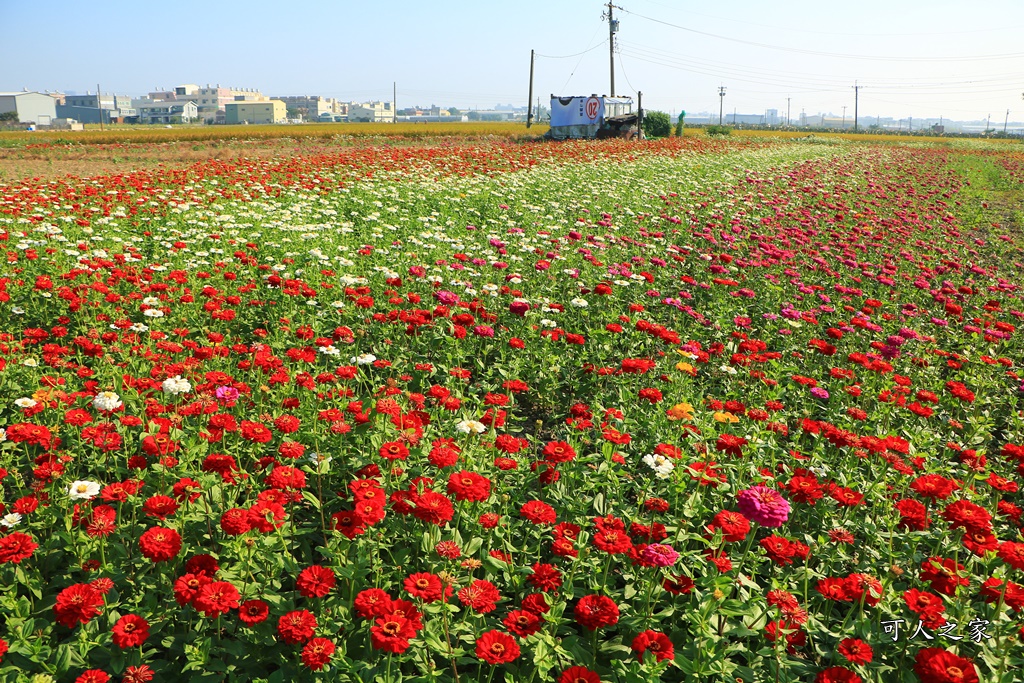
(719, 130)
(657, 124)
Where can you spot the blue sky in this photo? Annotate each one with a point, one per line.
(913, 57)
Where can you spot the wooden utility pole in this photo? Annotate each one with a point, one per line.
(529, 100)
(99, 105)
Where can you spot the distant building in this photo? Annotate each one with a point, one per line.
(32, 107)
(91, 108)
(266, 111)
(314, 106)
(371, 112)
(169, 111)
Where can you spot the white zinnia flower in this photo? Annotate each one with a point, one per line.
(153, 313)
(30, 363)
(25, 402)
(363, 359)
(661, 465)
(83, 490)
(10, 519)
(579, 302)
(3, 435)
(330, 350)
(471, 427)
(176, 385)
(106, 400)
(728, 368)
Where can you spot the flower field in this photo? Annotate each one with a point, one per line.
(681, 410)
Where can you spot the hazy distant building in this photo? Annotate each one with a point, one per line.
(266, 111)
(32, 107)
(371, 112)
(168, 111)
(313, 106)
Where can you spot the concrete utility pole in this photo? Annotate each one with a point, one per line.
(613, 27)
(99, 105)
(856, 98)
(529, 100)
(1006, 121)
(987, 122)
(787, 110)
(844, 117)
(721, 101)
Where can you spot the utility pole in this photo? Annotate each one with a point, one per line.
(394, 101)
(787, 110)
(99, 105)
(844, 117)
(910, 124)
(529, 100)
(613, 27)
(987, 121)
(1006, 121)
(721, 101)
(856, 98)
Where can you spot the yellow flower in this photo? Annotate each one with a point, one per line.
(725, 416)
(680, 411)
(687, 368)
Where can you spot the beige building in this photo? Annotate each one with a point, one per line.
(371, 112)
(266, 111)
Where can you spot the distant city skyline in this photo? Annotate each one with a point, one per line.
(916, 58)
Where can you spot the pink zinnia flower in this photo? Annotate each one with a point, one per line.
(818, 392)
(226, 393)
(763, 505)
(446, 297)
(659, 555)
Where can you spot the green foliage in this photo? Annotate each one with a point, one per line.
(11, 116)
(719, 130)
(657, 124)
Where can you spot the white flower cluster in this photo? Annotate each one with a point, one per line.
(661, 465)
(471, 427)
(106, 400)
(176, 385)
(363, 359)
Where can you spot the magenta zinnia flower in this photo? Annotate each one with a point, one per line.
(660, 555)
(763, 505)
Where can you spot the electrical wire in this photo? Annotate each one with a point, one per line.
(838, 55)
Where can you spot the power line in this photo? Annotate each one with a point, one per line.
(1013, 55)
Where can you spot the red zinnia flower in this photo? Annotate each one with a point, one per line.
(392, 633)
(579, 674)
(837, 674)
(296, 627)
(315, 581)
(130, 631)
(595, 611)
(252, 612)
(522, 623)
(426, 587)
(538, 512)
(16, 547)
(495, 647)
(160, 544)
(93, 676)
(137, 674)
(654, 642)
(935, 665)
(77, 604)
(317, 653)
(856, 651)
(480, 595)
(216, 598)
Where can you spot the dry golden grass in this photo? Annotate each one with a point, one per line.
(148, 134)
